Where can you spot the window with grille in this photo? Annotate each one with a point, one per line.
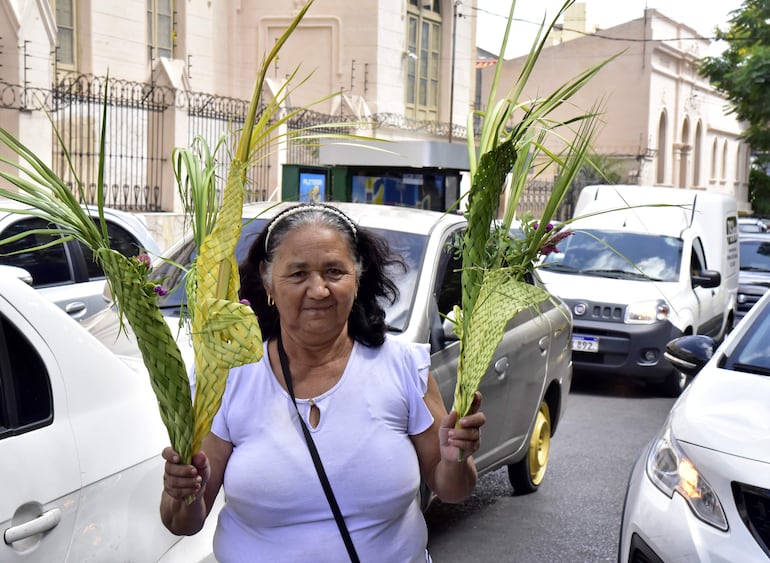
(64, 11)
(423, 59)
(160, 29)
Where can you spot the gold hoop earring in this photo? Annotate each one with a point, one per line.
(270, 301)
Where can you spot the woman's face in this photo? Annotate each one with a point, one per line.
(313, 283)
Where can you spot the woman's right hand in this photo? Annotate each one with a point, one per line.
(180, 481)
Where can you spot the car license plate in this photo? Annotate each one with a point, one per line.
(585, 343)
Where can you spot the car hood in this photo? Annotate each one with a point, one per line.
(725, 411)
(604, 289)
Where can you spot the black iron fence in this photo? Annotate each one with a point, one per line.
(138, 139)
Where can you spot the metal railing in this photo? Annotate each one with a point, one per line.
(138, 131)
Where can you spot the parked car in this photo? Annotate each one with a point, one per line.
(751, 225)
(67, 273)
(80, 440)
(754, 276)
(526, 386)
(701, 490)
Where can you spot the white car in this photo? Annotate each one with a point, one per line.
(67, 273)
(80, 442)
(701, 490)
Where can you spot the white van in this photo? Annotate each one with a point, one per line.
(643, 266)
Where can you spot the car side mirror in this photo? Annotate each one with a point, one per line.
(707, 278)
(690, 353)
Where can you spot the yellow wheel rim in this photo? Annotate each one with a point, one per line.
(540, 445)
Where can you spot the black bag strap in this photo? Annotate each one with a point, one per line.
(317, 459)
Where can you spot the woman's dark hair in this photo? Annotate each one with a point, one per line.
(371, 253)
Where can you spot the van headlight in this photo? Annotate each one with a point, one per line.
(671, 471)
(647, 312)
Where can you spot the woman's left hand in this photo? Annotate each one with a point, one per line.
(464, 437)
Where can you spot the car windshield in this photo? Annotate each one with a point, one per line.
(618, 254)
(410, 247)
(751, 354)
(755, 255)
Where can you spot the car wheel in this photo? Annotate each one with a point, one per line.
(527, 474)
(674, 383)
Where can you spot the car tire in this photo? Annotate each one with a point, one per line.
(674, 383)
(527, 474)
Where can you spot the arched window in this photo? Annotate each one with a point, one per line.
(723, 175)
(714, 161)
(684, 153)
(738, 161)
(660, 175)
(697, 149)
(423, 59)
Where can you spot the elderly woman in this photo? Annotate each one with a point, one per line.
(336, 417)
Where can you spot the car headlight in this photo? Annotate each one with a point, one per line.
(647, 312)
(671, 471)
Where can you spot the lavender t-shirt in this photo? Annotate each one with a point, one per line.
(276, 509)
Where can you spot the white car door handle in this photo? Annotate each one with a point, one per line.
(75, 307)
(46, 521)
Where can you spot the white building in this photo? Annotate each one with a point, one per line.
(663, 123)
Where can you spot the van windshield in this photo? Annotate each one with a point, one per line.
(618, 254)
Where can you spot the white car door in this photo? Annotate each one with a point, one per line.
(39, 474)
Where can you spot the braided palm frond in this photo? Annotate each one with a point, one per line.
(225, 332)
(160, 353)
(501, 297)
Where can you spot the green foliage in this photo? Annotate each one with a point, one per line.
(516, 134)
(759, 192)
(742, 71)
(600, 169)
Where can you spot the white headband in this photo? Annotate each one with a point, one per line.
(311, 207)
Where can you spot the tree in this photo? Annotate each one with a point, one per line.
(742, 72)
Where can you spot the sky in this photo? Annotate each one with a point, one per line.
(702, 15)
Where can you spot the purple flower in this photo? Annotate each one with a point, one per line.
(548, 227)
(558, 237)
(145, 260)
(160, 290)
(245, 302)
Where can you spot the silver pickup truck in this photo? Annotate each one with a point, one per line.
(526, 386)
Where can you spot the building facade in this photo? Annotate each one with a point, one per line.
(180, 70)
(663, 124)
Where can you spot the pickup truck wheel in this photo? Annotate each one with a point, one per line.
(674, 383)
(527, 474)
